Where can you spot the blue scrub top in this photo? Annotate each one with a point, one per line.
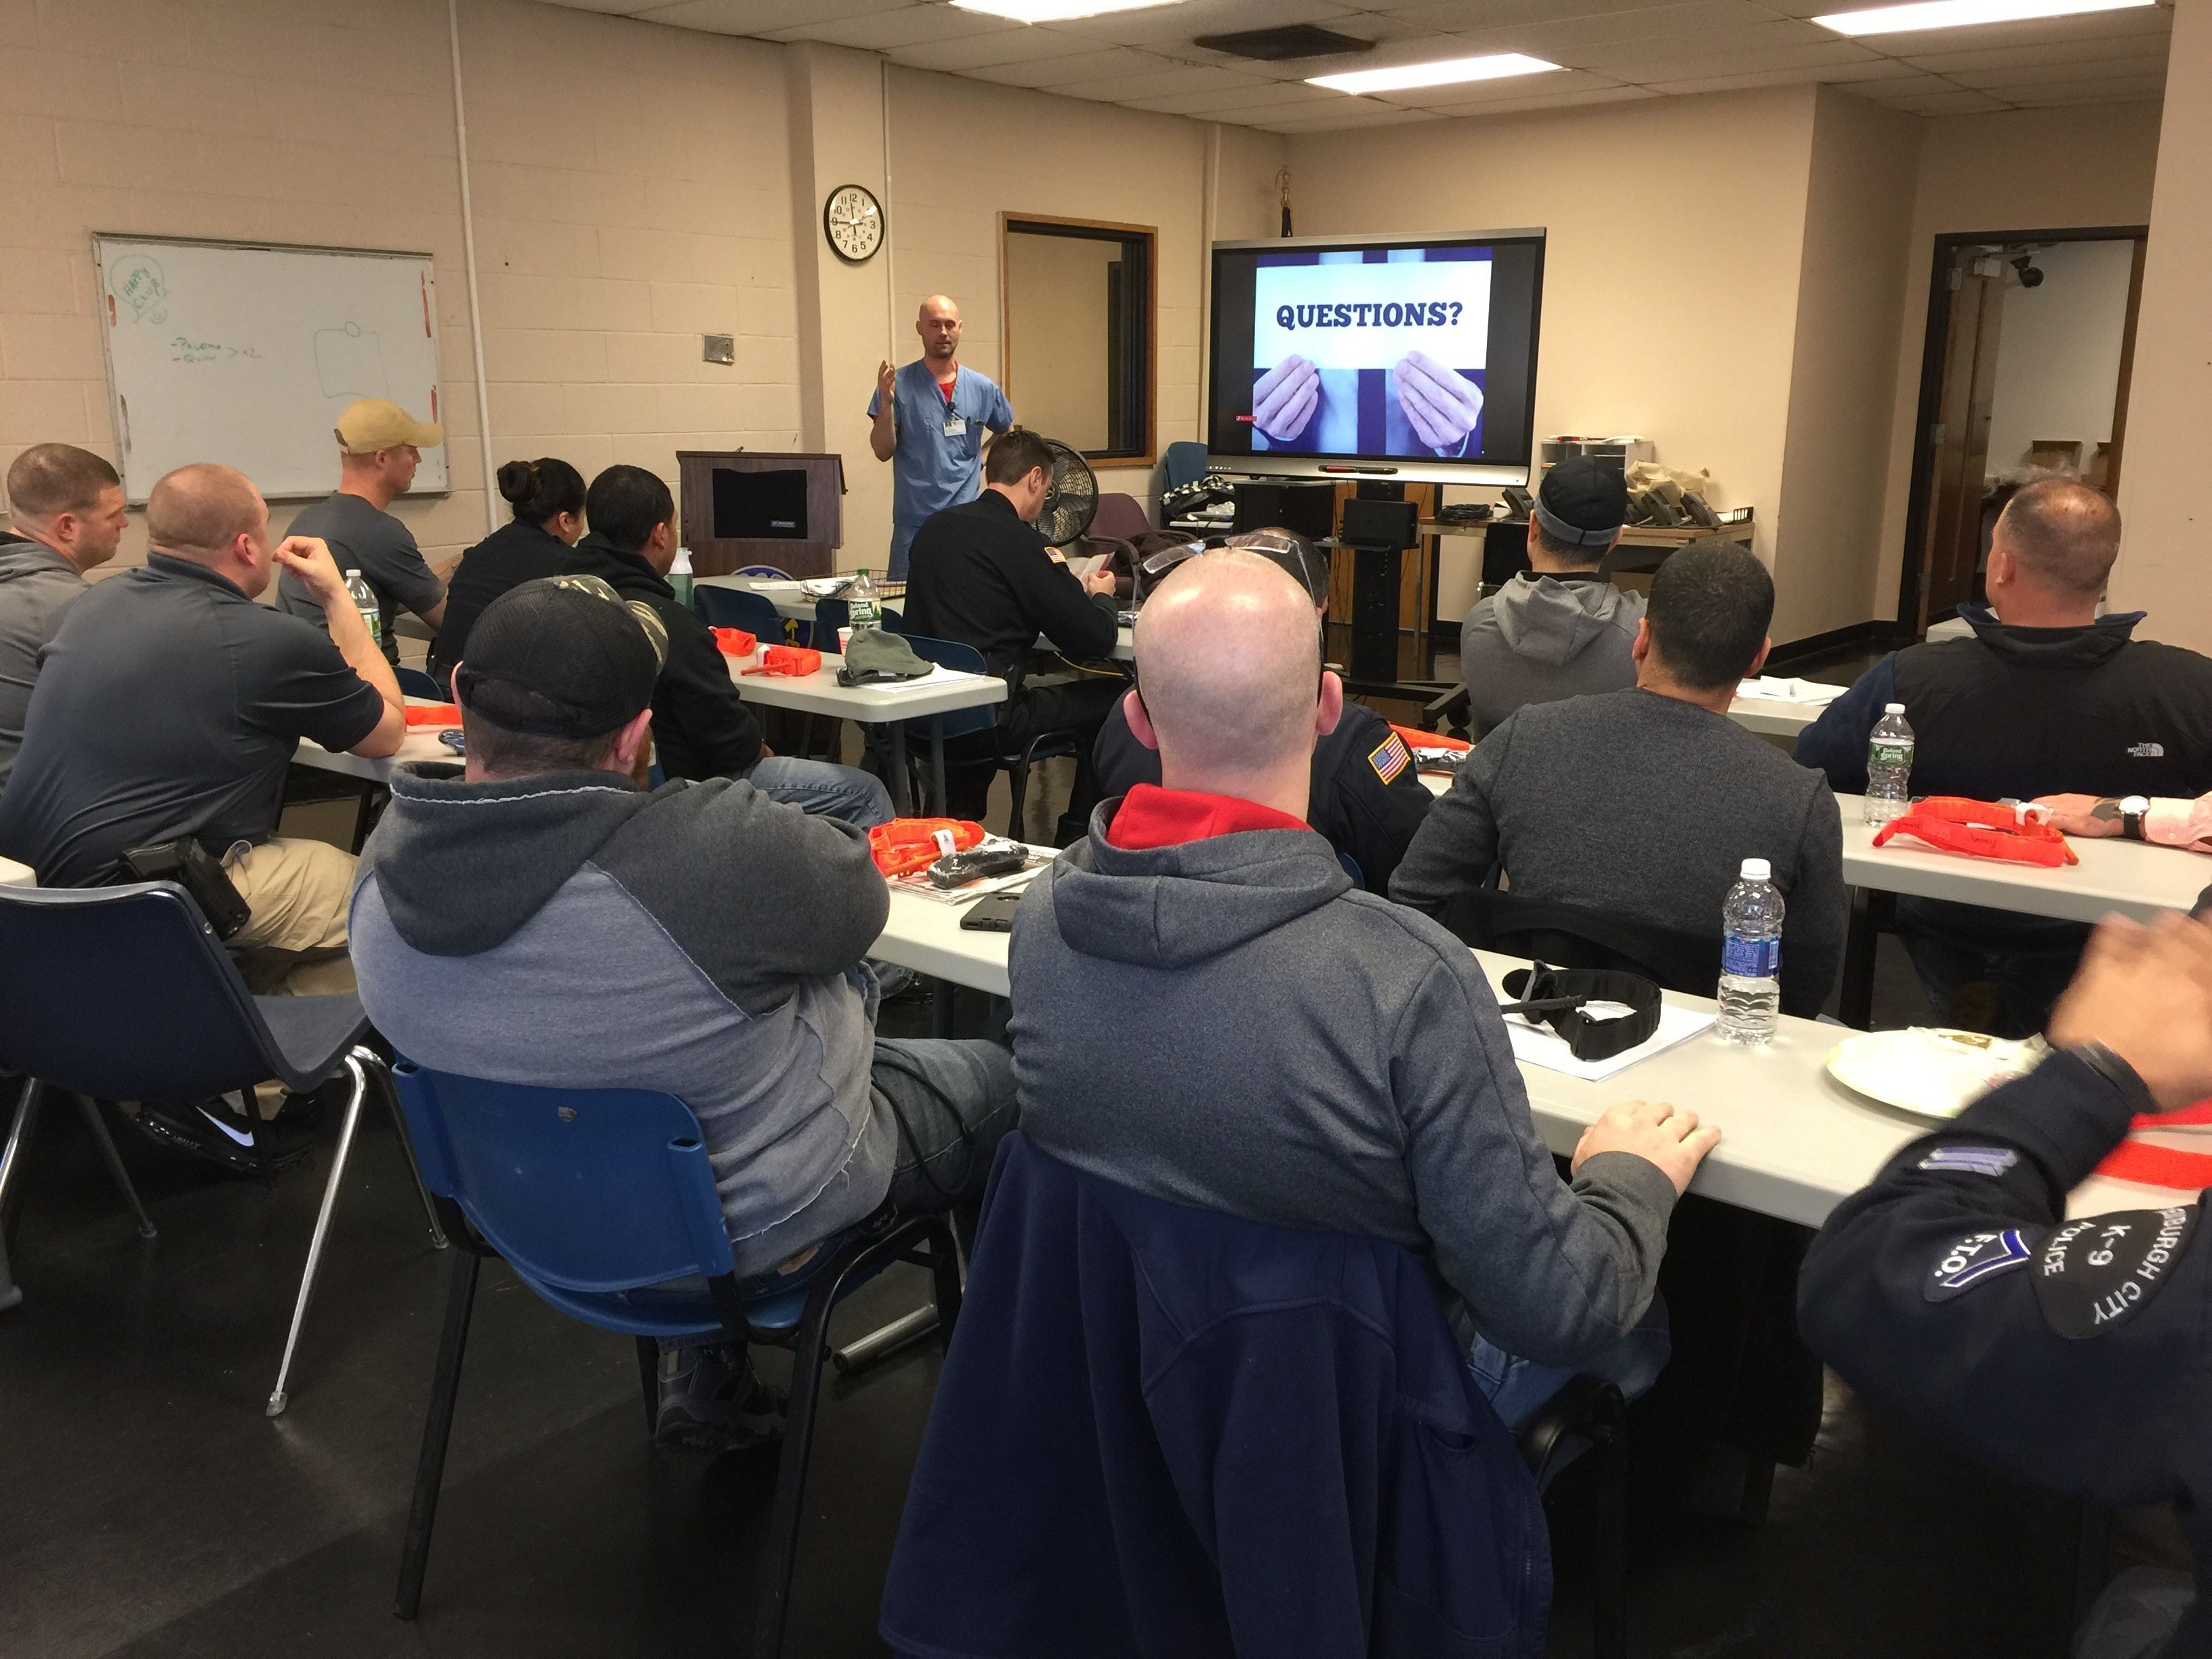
(929, 471)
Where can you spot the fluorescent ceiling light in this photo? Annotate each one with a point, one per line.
(1449, 72)
(1054, 11)
(1959, 13)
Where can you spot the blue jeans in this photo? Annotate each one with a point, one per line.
(902, 540)
(827, 791)
(2027, 959)
(1518, 1388)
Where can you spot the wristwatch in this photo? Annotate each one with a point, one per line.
(2129, 809)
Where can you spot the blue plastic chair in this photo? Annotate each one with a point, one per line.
(414, 682)
(68, 959)
(965, 722)
(768, 571)
(603, 1201)
(735, 607)
(1183, 464)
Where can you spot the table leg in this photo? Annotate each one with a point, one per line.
(901, 797)
(1855, 1000)
(937, 764)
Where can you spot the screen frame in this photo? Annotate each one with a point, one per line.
(1397, 467)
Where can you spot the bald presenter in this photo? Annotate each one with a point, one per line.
(929, 417)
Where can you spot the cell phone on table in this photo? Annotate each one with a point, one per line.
(453, 740)
(992, 913)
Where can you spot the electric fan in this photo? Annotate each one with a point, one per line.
(1070, 496)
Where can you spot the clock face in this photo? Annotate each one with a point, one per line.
(853, 219)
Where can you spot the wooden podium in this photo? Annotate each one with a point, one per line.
(747, 507)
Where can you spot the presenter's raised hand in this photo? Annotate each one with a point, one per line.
(1442, 405)
(1284, 398)
(887, 379)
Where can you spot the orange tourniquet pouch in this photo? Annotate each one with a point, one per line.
(2163, 1166)
(795, 660)
(906, 845)
(734, 641)
(433, 714)
(1417, 738)
(1980, 830)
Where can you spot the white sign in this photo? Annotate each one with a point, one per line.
(1368, 316)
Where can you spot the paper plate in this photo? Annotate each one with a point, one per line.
(1929, 1071)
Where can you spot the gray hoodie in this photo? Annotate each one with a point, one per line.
(566, 931)
(1540, 638)
(1229, 1024)
(37, 585)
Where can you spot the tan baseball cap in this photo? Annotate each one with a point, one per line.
(372, 423)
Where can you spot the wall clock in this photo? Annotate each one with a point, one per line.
(853, 219)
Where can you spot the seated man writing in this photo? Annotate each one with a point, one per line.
(1367, 797)
(536, 919)
(982, 576)
(1207, 1010)
(700, 728)
(1644, 804)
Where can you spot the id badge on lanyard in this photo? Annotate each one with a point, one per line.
(955, 425)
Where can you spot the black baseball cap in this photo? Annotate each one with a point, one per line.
(1584, 502)
(561, 657)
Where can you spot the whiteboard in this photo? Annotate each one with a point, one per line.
(246, 354)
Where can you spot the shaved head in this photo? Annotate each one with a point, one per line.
(199, 512)
(2063, 535)
(939, 324)
(1229, 668)
(938, 305)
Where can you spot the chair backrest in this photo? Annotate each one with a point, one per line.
(414, 682)
(1573, 936)
(586, 1191)
(1183, 463)
(766, 570)
(735, 607)
(124, 994)
(1116, 1353)
(1119, 517)
(950, 653)
(829, 615)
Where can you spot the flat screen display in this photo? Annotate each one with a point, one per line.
(760, 506)
(1406, 356)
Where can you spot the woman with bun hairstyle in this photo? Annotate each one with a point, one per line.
(547, 496)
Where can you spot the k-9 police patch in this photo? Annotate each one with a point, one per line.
(1972, 1260)
(2093, 1275)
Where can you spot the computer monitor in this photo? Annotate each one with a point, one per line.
(760, 506)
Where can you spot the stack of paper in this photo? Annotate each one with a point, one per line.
(1777, 689)
(1538, 1045)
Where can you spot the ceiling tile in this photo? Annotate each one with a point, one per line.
(1839, 75)
(2107, 92)
(914, 26)
(1664, 63)
(1514, 88)
(2138, 22)
(1156, 83)
(2083, 74)
(1344, 120)
(1255, 95)
(1161, 27)
(1476, 16)
(2060, 53)
(1774, 35)
(1567, 35)
(759, 16)
(1014, 44)
(1060, 71)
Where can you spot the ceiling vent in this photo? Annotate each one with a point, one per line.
(1282, 45)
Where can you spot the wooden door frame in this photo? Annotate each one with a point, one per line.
(1146, 452)
(1930, 404)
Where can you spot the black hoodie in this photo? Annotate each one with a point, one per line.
(2032, 711)
(699, 728)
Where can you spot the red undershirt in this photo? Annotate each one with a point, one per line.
(1153, 817)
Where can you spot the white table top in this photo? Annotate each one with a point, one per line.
(421, 743)
(13, 874)
(2130, 877)
(1794, 1141)
(1772, 717)
(790, 603)
(818, 693)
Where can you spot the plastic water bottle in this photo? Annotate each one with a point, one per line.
(861, 610)
(1889, 767)
(679, 577)
(364, 599)
(1751, 957)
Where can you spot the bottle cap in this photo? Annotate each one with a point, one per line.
(1892, 708)
(352, 576)
(1758, 869)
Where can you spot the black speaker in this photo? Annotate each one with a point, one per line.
(1307, 508)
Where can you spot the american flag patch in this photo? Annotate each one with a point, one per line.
(1390, 757)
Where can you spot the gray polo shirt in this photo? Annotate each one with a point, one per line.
(168, 705)
(377, 544)
(37, 585)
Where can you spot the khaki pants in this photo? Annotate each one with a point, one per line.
(296, 939)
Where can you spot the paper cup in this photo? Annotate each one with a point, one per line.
(844, 640)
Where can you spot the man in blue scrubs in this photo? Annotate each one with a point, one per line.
(929, 420)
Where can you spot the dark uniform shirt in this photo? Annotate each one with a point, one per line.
(982, 577)
(512, 555)
(169, 705)
(2071, 1354)
(378, 544)
(701, 728)
(1367, 797)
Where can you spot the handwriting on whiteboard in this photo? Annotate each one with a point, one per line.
(183, 350)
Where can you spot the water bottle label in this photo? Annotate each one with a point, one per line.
(1751, 958)
(1890, 751)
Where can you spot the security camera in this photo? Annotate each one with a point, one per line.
(2029, 275)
